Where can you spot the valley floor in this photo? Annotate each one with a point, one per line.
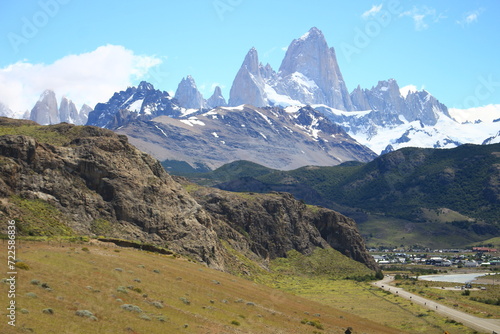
(480, 324)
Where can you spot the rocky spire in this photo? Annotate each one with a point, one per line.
(188, 96)
(45, 110)
(217, 100)
(248, 85)
(67, 111)
(83, 115)
(310, 57)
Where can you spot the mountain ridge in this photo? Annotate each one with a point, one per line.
(437, 192)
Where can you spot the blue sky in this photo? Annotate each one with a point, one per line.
(87, 50)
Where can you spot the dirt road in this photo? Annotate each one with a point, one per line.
(479, 324)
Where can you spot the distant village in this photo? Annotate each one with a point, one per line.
(461, 258)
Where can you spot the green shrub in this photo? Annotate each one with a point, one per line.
(185, 300)
(84, 313)
(314, 323)
(22, 265)
(235, 322)
(131, 308)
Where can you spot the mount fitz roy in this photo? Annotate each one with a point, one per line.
(381, 118)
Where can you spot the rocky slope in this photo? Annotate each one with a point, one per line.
(95, 182)
(274, 137)
(143, 102)
(270, 225)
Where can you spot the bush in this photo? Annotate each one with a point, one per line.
(35, 282)
(48, 311)
(314, 323)
(85, 314)
(131, 308)
(121, 289)
(157, 304)
(22, 265)
(235, 322)
(31, 295)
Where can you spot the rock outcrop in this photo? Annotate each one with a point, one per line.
(94, 177)
(99, 176)
(270, 225)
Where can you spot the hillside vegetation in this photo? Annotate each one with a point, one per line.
(100, 288)
(453, 192)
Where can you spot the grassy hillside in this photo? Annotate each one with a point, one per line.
(419, 194)
(101, 288)
(131, 291)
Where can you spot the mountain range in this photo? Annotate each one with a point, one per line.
(412, 196)
(46, 110)
(382, 118)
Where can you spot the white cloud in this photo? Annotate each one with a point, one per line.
(470, 17)
(89, 78)
(407, 89)
(372, 11)
(410, 89)
(423, 16)
(487, 113)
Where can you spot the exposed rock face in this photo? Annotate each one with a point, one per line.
(217, 100)
(98, 176)
(68, 112)
(249, 85)
(135, 103)
(309, 74)
(85, 110)
(45, 110)
(309, 58)
(342, 234)
(101, 176)
(188, 96)
(273, 137)
(273, 224)
(387, 105)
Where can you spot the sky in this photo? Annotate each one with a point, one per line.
(87, 50)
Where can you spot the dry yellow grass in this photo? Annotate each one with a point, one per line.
(193, 298)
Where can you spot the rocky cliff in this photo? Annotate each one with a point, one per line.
(270, 225)
(95, 182)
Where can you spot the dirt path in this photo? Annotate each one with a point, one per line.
(479, 324)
